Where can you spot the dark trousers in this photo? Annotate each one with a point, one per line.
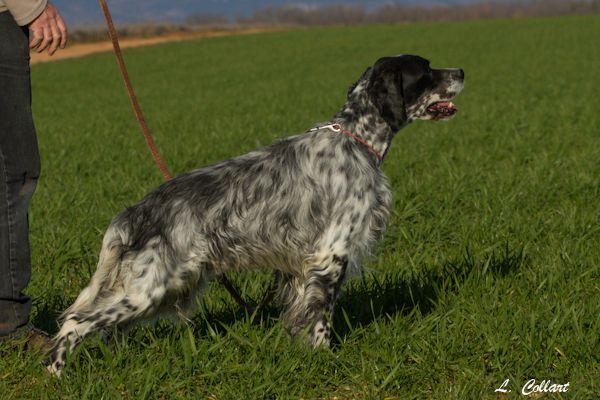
(19, 172)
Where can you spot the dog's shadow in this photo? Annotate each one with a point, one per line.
(379, 295)
(375, 296)
(385, 295)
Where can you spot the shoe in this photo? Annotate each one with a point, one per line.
(30, 338)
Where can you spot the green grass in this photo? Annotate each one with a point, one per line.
(489, 270)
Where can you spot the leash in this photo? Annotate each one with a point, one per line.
(338, 128)
(155, 154)
(136, 106)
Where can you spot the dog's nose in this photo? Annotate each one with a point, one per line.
(461, 73)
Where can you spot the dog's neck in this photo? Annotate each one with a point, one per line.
(360, 116)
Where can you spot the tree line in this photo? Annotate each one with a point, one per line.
(398, 13)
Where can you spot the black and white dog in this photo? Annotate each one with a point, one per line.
(309, 206)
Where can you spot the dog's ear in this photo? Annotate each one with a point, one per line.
(363, 78)
(386, 92)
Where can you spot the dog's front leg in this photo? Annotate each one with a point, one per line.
(312, 311)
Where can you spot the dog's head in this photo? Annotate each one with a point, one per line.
(405, 88)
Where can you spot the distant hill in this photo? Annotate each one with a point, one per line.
(85, 12)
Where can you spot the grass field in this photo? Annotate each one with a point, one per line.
(490, 267)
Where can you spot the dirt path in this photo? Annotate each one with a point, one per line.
(83, 49)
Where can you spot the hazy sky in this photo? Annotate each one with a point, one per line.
(82, 12)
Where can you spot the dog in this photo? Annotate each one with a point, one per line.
(310, 207)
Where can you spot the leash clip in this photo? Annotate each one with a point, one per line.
(335, 127)
(332, 127)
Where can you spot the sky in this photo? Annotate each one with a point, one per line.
(85, 12)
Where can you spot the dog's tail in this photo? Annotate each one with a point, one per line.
(107, 270)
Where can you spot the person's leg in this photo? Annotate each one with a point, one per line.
(19, 171)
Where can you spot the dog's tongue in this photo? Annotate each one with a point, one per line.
(442, 109)
(440, 105)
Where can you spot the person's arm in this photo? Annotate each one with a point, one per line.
(48, 30)
(25, 11)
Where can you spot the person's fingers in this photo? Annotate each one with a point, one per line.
(48, 31)
(63, 31)
(37, 35)
(56, 37)
(46, 41)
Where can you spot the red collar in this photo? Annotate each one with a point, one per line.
(338, 128)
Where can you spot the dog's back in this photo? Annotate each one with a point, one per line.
(269, 208)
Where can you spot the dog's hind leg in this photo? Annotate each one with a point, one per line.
(310, 301)
(133, 288)
(80, 323)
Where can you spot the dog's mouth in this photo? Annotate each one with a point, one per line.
(441, 110)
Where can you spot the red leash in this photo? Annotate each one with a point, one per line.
(150, 141)
(136, 106)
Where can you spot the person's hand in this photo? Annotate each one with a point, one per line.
(48, 30)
